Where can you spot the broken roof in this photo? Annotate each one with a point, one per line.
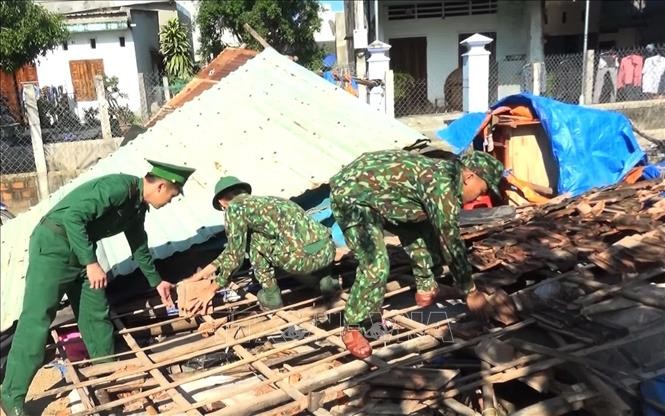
(272, 123)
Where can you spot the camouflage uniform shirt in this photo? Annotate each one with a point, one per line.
(282, 235)
(403, 187)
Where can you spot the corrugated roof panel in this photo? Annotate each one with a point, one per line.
(272, 123)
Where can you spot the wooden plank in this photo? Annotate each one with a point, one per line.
(176, 395)
(217, 345)
(617, 289)
(261, 367)
(221, 369)
(231, 393)
(562, 404)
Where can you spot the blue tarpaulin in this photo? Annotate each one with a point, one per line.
(592, 147)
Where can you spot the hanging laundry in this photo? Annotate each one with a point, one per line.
(607, 64)
(653, 70)
(630, 71)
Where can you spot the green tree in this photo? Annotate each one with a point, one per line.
(28, 30)
(287, 25)
(173, 44)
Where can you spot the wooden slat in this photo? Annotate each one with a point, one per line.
(177, 396)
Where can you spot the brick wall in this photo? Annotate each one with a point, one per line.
(19, 192)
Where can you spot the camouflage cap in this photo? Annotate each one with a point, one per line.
(487, 167)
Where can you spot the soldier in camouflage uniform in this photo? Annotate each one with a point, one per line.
(419, 199)
(281, 235)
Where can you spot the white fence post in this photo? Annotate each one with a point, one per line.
(475, 73)
(390, 94)
(536, 69)
(36, 136)
(144, 96)
(107, 135)
(588, 77)
(378, 65)
(167, 91)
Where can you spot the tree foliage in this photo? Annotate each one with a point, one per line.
(28, 30)
(175, 47)
(287, 25)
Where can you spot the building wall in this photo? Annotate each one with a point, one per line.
(53, 69)
(145, 32)
(19, 192)
(572, 23)
(510, 24)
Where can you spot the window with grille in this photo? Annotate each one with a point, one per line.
(441, 9)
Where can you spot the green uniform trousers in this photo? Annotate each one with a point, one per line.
(292, 256)
(53, 270)
(363, 232)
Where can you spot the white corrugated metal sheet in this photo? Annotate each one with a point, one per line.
(272, 123)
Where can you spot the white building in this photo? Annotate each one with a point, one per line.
(425, 38)
(118, 39)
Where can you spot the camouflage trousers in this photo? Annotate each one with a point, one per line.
(363, 232)
(295, 257)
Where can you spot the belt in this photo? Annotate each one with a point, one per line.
(56, 228)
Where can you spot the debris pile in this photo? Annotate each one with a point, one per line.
(585, 274)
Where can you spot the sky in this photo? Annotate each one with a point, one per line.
(335, 5)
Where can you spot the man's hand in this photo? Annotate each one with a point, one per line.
(478, 304)
(199, 303)
(164, 290)
(96, 276)
(203, 273)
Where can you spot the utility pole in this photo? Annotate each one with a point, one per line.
(356, 40)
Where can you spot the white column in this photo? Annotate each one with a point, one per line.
(36, 136)
(535, 21)
(359, 45)
(475, 73)
(107, 135)
(536, 72)
(378, 65)
(390, 94)
(167, 91)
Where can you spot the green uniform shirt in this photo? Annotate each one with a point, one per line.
(101, 208)
(279, 220)
(404, 187)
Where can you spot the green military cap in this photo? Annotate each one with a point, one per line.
(226, 183)
(172, 173)
(486, 167)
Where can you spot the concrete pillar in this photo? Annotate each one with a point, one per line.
(588, 76)
(36, 136)
(390, 94)
(167, 91)
(341, 45)
(359, 45)
(107, 135)
(144, 97)
(378, 65)
(475, 73)
(537, 68)
(535, 22)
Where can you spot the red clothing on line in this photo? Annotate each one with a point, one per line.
(630, 71)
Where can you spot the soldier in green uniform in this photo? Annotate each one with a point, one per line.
(419, 199)
(281, 235)
(62, 260)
